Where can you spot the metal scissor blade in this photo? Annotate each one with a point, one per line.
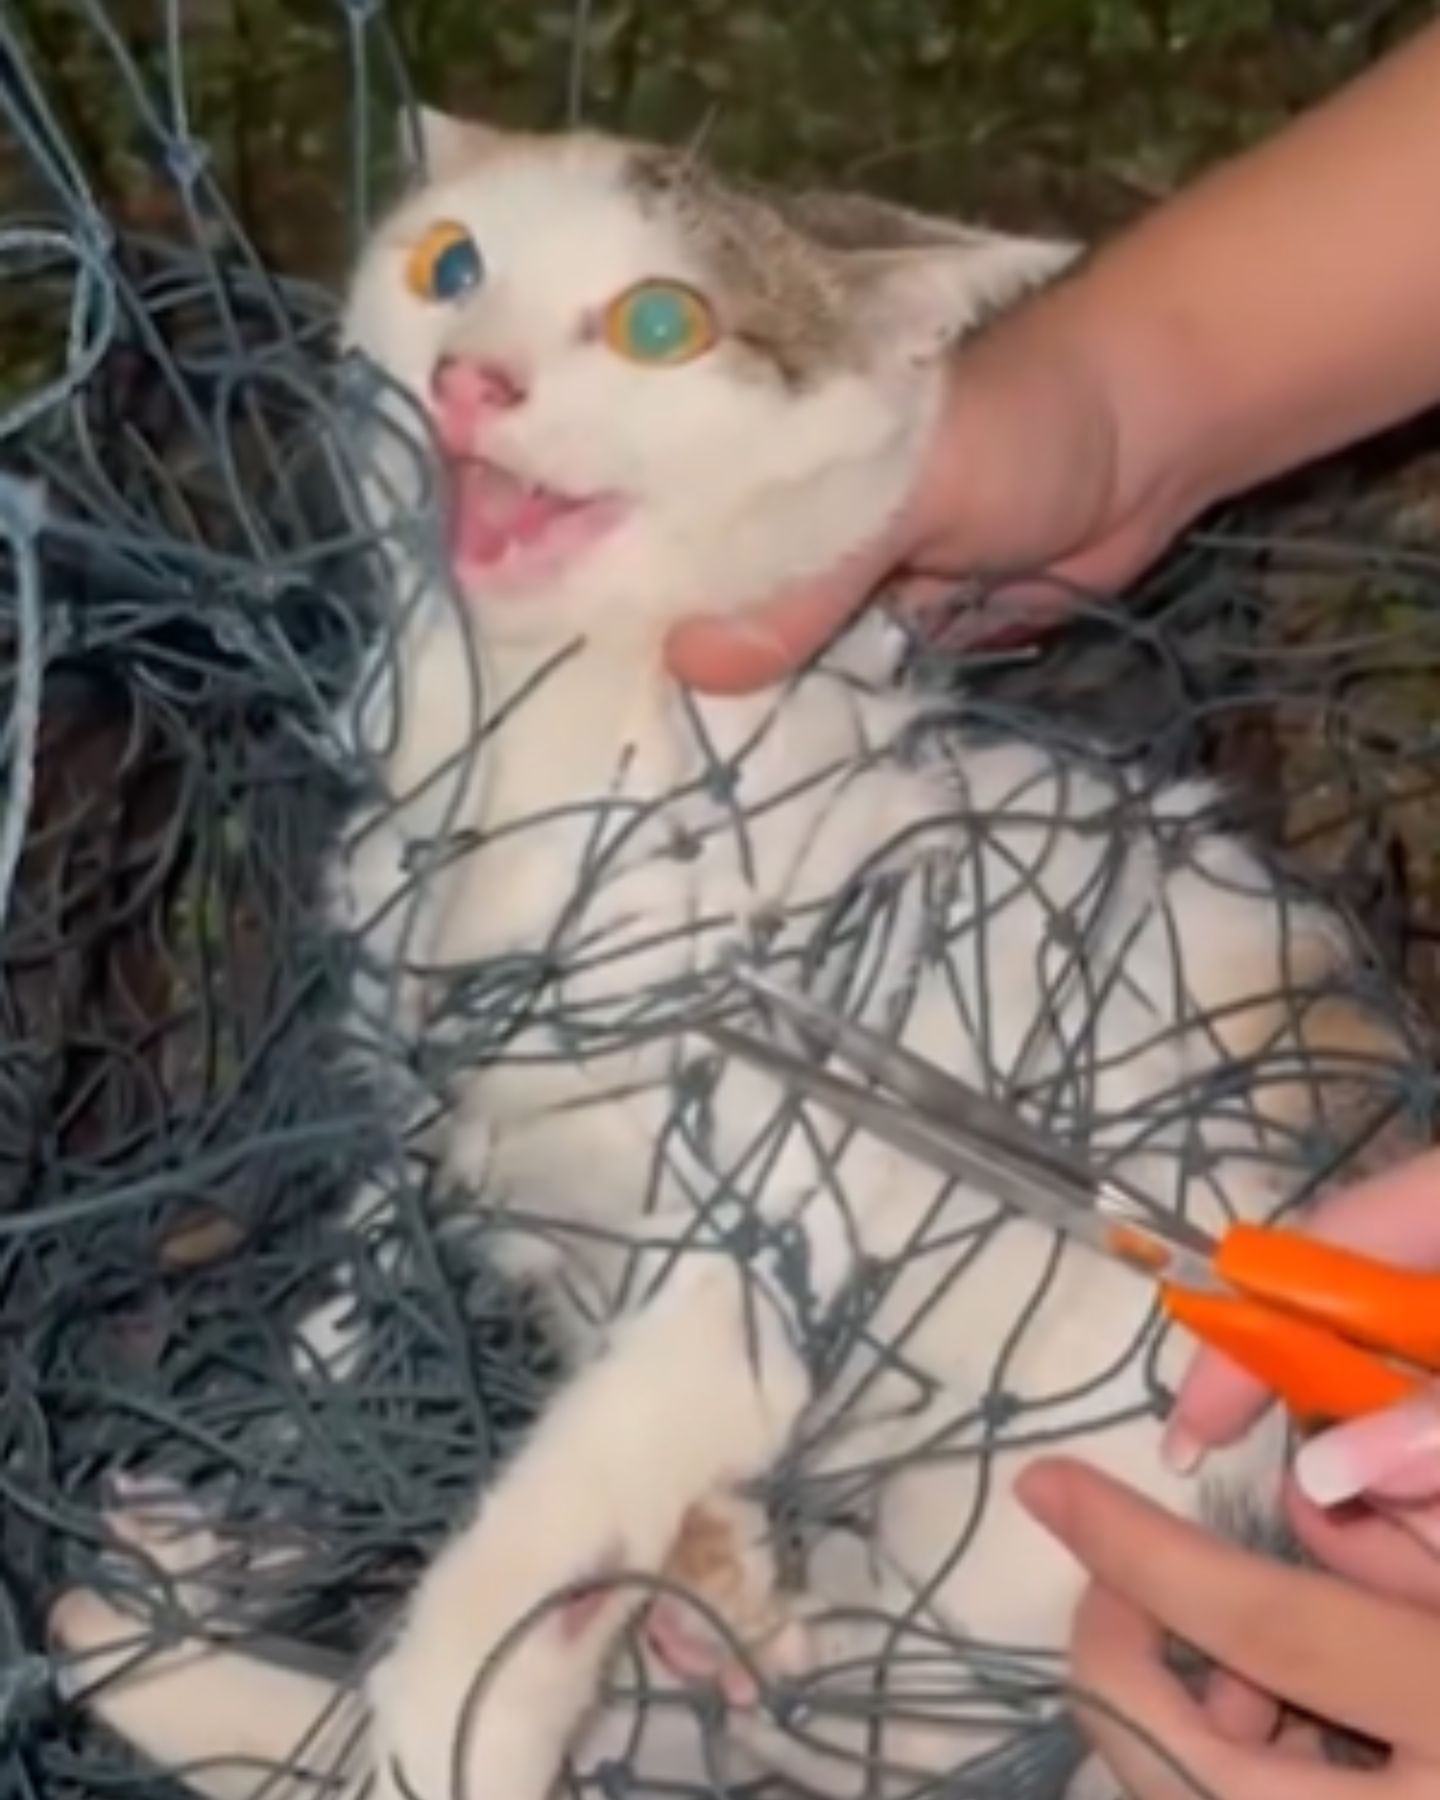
(900, 1072)
(1092, 1210)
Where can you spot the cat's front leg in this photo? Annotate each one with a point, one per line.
(500, 1659)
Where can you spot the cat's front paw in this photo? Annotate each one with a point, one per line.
(748, 1630)
(496, 1663)
(504, 1651)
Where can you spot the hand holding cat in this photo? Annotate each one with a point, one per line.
(1186, 362)
(1021, 475)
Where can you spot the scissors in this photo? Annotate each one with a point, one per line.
(1323, 1328)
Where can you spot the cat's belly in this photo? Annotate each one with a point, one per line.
(575, 1170)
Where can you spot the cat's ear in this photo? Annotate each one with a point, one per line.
(443, 145)
(915, 303)
(918, 281)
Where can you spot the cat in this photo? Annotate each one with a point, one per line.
(653, 388)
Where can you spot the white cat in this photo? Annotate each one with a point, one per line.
(656, 391)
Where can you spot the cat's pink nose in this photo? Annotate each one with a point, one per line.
(466, 393)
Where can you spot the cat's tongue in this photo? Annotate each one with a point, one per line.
(491, 512)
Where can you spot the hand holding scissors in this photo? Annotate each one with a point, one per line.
(1332, 1333)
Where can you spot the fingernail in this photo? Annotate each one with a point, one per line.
(1180, 1450)
(1395, 1454)
(746, 634)
(716, 640)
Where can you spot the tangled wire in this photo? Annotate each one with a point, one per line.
(187, 595)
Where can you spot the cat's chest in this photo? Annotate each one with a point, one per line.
(579, 857)
(653, 871)
(610, 837)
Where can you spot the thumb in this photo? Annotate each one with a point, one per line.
(1391, 1455)
(732, 653)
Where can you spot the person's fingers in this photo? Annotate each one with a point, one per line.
(739, 652)
(735, 653)
(922, 594)
(1018, 607)
(1390, 1455)
(1105, 565)
(1239, 1710)
(1391, 1552)
(1136, 1714)
(1154, 1737)
(1003, 619)
(1327, 1647)
(1394, 1216)
(1420, 1521)
(1217, 1403)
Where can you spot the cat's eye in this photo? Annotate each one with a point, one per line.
(661, 322)
(445, 263)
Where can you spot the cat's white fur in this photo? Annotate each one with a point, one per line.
(696, 1386)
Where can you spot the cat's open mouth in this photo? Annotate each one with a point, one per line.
(502, 526)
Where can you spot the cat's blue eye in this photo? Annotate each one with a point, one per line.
(445, 264)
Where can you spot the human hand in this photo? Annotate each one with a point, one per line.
(1368, 1660)
(1188, 360)
(1029, 475)
(1392, 1458)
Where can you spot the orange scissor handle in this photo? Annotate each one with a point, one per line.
(1317, 1374)
(1370, 1302)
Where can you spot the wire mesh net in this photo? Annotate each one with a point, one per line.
(191, 594)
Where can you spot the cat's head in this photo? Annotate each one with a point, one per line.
(659, 391)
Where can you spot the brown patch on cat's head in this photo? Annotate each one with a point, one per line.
(813, 284)
(782, 297)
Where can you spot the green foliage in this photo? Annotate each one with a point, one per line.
(1036, 112)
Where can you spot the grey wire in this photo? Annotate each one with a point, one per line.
(21, 515)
